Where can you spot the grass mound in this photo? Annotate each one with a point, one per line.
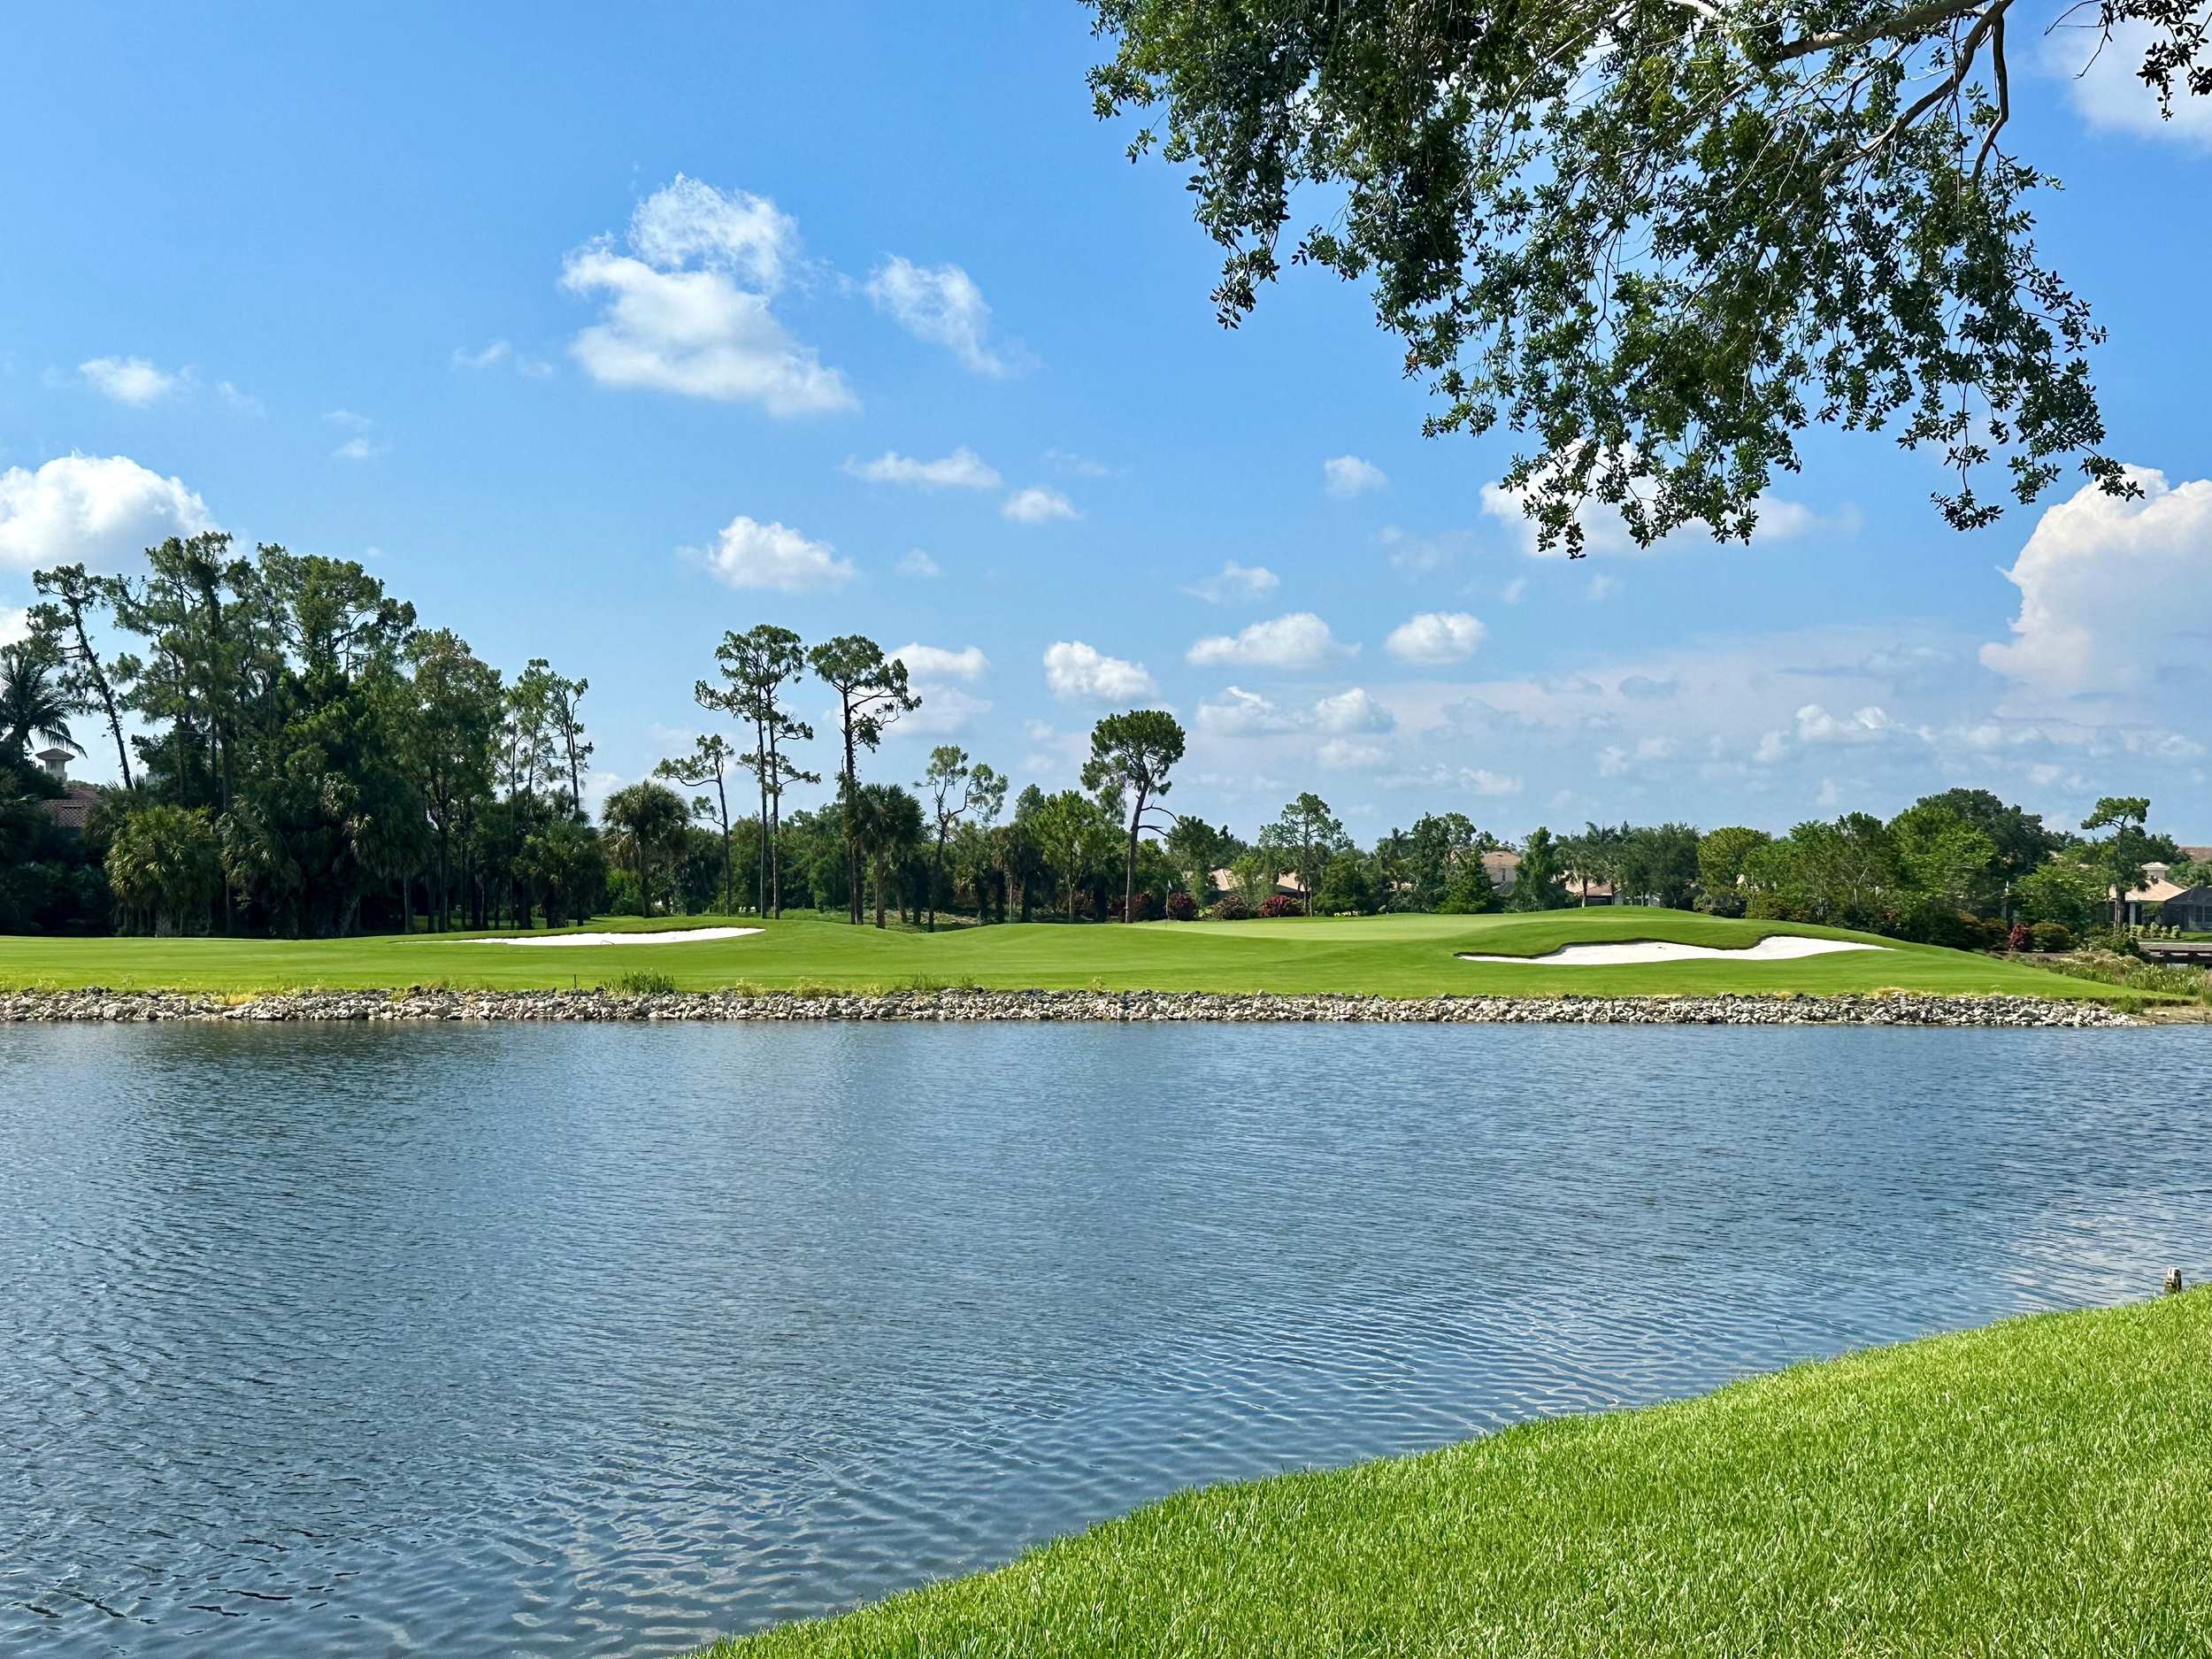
(2040, 1487)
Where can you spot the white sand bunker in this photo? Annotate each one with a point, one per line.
(1775, 947)
(678, 936)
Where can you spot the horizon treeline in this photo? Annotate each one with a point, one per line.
(301, 757)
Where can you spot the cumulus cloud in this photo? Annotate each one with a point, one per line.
(687, 308)
(935, 661)
(1236, 712)
(2107, 591)
(1489, 783)
(749, 554)
(1301, 640)
(1347, 475)
(963, 469)
(1080, 672)
(1436, 637)
(942, 306)
(92, 510)
(1605, 531)
(131, 380)
(1038, 505)
(1352, 711)
(2107, 91)
(914, 562)
(1232, 581)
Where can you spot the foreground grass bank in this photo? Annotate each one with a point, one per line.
(2040, 1487)
(1388, 955)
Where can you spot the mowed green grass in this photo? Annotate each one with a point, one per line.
(1388, 955)
(2042, 1488)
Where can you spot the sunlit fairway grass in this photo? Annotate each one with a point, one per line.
(1388, 955)
(2042, 1488)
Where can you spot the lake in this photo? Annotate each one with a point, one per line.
(519, 1340)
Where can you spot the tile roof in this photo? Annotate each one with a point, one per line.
(73, 809)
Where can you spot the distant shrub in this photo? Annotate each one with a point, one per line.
(2051, 936)
(1232, 909)
(2019, 937)
(1142, 908)
(1181, 907)
(1280, 904)
(642, 985)
(2117, 940)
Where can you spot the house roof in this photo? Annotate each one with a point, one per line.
(2157, 892)
(73, 809)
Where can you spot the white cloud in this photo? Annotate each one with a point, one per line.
(941, 304)
(496, 353)
(1347, 475)
(749, 554)
(1816, 724)
(2107, 91)
(1235, 581)
(1076, 671)
(1512, 591)
(1344, 754)
(914, 562)
(15, 624)
(1436, 637)
(359, 449)
(1237, 712)
(2107, 592)
(687, 308)
(91, 511)
(244, 402)
(131, 380)
(1605, 531)
(934, 662)
(1490, 783)
(1081, 465)
(963, 469)
(1301, 640)
(349, 419)
(1352, 711)
(1038, 505)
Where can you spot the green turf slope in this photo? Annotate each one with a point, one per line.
(2043, 1488)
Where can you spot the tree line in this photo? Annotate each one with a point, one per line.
(302, 758)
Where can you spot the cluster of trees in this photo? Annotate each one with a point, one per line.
(299, 756)
(302, 758)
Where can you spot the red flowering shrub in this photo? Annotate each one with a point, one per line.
(1181, 907)
(1143, 908)
(1280, 904)
(1233, 909)
(2019, 937)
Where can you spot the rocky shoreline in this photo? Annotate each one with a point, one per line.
(96, 1006)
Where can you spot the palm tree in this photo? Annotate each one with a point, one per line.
(887, 829)
(646, 816)
(32, 704)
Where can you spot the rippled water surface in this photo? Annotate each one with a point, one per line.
(586, 1339)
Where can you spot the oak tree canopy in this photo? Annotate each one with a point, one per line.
(1660, 238)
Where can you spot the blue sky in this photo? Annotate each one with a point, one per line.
(581, 329)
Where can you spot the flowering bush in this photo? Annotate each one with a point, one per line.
(1280, 904)
(1232, 909)
(1181, 907)
(2019, 937)
(2051, 936)
(1142, 908)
